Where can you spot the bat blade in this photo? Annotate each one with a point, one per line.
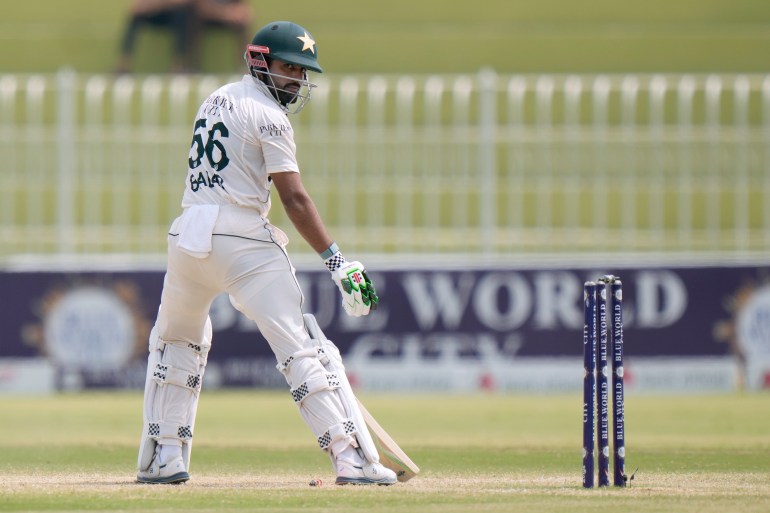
(391, 455)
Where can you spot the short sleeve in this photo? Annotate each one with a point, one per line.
(278, 148)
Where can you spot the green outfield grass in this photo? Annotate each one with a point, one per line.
(484, 453)
(426, 36)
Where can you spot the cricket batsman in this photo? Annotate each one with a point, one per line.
(242, 148)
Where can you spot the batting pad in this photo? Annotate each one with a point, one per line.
(330, 358)
(171, 394)
(315, 390)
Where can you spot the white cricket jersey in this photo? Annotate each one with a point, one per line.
(241, 135)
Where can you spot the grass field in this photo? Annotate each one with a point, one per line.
(482, 453)
(402, 36)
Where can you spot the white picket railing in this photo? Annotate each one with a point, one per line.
(481, 164)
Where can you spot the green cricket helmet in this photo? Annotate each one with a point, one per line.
(288, 42)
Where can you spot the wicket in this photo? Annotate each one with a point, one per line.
(603, 341)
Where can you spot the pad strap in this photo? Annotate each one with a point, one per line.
(158, 430)
(160, 344)
(325, 381)
(201, 350)
(337, 431)
(311, 352)
(165, 373)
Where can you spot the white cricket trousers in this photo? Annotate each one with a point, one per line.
(258, 276)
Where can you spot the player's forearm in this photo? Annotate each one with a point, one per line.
(305, 217)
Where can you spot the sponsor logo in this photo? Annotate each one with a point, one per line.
(747, 332)
(275, 129)
(90, 327)
(258, 48)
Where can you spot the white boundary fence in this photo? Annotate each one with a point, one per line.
(481, 164)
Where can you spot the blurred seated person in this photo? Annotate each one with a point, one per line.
(176, 16)
(234, 16)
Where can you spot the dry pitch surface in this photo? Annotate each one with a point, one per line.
(697, 492)
(673, 485)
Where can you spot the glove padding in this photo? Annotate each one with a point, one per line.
(358, 294)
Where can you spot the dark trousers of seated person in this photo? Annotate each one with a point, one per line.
(178, 21)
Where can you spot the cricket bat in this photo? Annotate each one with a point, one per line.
(391, 455)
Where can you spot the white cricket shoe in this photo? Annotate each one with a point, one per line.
(172, 472)
(364, 474)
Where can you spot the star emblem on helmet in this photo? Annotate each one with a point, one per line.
(307, 43)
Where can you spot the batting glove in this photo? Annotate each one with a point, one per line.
(358, 294)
